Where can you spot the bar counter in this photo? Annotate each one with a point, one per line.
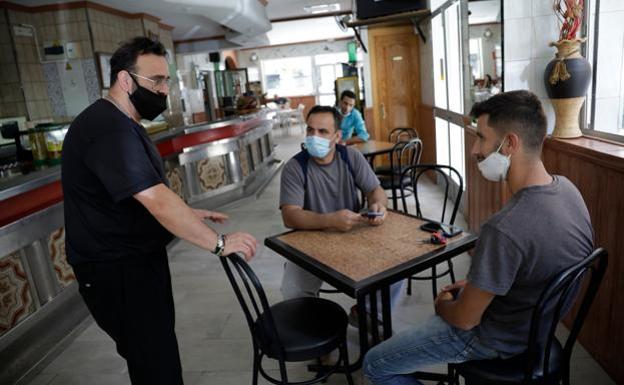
(207, 165)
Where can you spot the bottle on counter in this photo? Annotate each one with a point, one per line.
(38, 147)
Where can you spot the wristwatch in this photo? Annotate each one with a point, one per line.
(220, 245)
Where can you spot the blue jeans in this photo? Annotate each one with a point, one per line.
(434, 342)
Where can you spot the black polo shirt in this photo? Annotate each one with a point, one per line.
(107, 158)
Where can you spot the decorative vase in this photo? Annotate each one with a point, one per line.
(566, 78)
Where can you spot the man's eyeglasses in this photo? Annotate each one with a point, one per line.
(158, 83)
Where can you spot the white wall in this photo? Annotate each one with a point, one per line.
(529, 26)
(291, 50)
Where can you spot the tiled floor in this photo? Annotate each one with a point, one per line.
(213, 337)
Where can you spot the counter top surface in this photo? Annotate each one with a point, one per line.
(17, 184)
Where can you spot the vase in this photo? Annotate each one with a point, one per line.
(566, 78)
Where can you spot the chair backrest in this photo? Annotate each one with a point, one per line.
(402, 134)
(411, 178)
(251, 297)
(553, 304)
(405, 154)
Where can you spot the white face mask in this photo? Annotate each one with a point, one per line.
(495, 166)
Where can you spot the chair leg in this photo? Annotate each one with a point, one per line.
(345, 361)
(434, 283)
(409, 285)
(451, 272)
(256, 368)
(282, 366)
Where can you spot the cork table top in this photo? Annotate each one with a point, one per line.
(367, 253)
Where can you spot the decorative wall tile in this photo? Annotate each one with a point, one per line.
(56, 248)
(55, 91)
(244, 162)
(211, 173)
(15, 297)
(174, 176)
(91, 79)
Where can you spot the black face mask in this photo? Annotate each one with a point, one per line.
(147, 103)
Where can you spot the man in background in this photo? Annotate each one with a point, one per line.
(352, 125)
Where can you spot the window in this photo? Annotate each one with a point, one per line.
(288, 76)
(328, 68)
(605, 51)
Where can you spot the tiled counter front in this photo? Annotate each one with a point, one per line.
(39, 300)
(227, 165)
(16, 297)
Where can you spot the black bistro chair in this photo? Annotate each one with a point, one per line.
(295, 330)
(546, 360)
(410, 180)
(402, 156)
(401, 134)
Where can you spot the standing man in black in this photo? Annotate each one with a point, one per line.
(120, 215)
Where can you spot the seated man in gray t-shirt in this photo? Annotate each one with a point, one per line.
(319, 191)
(543, 229)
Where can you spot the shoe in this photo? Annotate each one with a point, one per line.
(354, 320)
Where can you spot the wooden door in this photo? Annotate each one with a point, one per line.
(395, 76)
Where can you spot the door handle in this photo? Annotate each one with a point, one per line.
(383, 111)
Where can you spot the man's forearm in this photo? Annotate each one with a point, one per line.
(177, 217)
(377, 196)
(307, 220)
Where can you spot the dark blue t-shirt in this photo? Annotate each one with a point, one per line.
(107, 158)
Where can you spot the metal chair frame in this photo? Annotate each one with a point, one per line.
(412, 175)
(256, 300)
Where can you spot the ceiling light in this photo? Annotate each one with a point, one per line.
(322, 8)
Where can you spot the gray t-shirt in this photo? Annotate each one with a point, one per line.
(539, 232)
(330, 187)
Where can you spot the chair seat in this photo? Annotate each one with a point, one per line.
(386, 170)
(511, 370)
(307, 328)
(386, 181)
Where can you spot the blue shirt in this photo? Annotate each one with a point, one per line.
(353, 122)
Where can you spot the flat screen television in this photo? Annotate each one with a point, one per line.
(375, 8)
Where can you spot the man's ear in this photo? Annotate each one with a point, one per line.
(512, 143)
(125, 81)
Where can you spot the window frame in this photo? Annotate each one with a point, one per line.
(588, 127)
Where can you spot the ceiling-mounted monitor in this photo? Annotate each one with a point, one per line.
(375, 8)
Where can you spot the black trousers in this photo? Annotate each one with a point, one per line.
(132, 301)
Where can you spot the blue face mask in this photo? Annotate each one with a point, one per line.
(316, 146)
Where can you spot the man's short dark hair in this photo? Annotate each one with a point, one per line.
(348, 93)
(125, 57)
(327, 110)
(519, 112)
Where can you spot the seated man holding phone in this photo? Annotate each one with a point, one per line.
(319, 191)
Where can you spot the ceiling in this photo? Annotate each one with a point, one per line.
(188, 21)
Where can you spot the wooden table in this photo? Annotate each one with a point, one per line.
(372, 148)
(366, 260)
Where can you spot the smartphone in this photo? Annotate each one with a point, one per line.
(372, 214)
(448, 231)
(430, 227)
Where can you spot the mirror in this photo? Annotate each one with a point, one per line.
(485, 54)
